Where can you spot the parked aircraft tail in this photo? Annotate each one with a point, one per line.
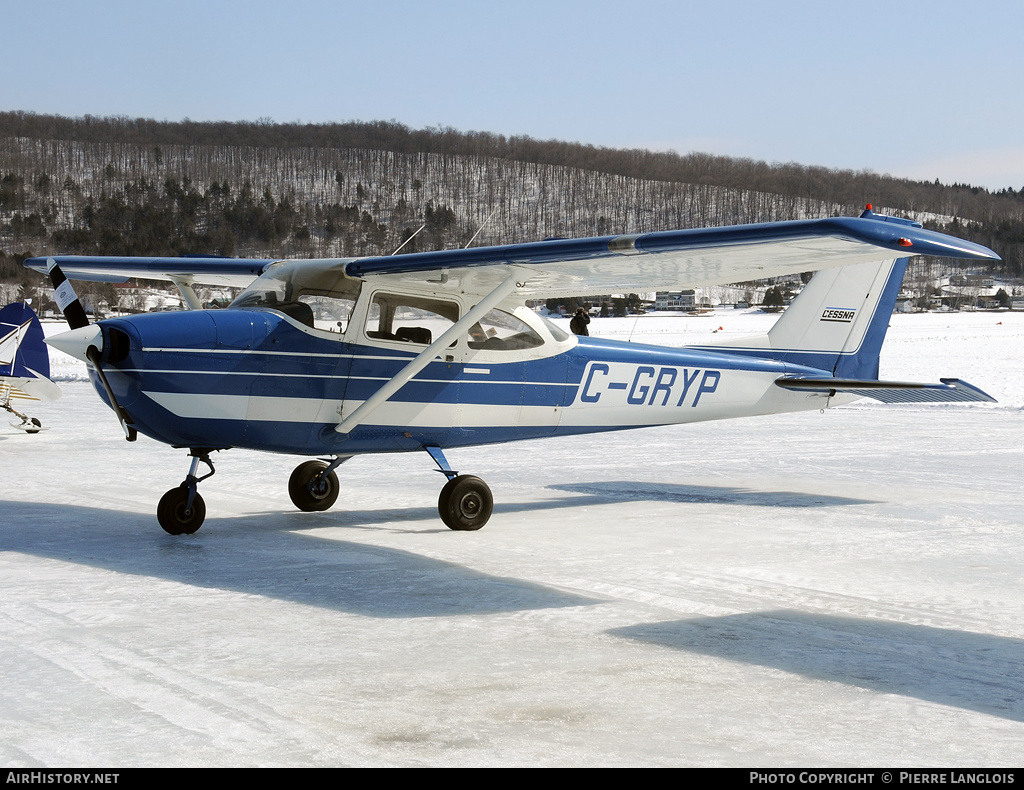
(839, 320)
(24, 364)
(836, 323)
(22, 351)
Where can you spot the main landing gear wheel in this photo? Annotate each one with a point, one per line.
(465, 503)
(174, 514)
(310, 489)
(32, 425)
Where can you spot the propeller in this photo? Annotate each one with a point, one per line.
(84, 341)
(65, 297)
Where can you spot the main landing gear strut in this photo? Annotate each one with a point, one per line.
(314, 485)
(181, 510)
(465, 502)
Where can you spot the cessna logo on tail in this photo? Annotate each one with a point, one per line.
(841, 314)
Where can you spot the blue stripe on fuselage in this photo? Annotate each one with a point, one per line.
(257, 353)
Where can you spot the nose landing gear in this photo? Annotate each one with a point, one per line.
(181, 510)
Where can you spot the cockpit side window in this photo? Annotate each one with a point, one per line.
(330, 312)
(409, 318)
(557, 333)
(501, 331)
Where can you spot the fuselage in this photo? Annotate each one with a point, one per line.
(260, 378)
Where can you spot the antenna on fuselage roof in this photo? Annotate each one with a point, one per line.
(482, 226)
(413, 236)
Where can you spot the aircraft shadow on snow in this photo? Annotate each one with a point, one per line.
(973, 671)
(249, 555)
(629, 491)
(587, 495)
(349, 576)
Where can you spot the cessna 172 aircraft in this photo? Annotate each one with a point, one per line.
(437, 350)
(24, 364)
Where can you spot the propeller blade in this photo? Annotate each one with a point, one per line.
(72, 342)
(65, 297)
(127, 423)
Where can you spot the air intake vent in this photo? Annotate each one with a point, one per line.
(116, 344)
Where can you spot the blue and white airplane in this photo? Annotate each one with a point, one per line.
(437, 350)
(24, 364)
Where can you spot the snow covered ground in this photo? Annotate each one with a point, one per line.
(837, 589)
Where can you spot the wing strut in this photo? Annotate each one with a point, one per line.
(184, 285)
(425, 357)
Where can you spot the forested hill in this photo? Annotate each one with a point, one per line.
(143, 187)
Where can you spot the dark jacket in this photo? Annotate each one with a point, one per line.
(579, 322)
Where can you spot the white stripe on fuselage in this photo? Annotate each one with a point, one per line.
(735, 394)
(335, 377)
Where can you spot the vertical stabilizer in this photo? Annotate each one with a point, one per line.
(22, 351)
(839, 320)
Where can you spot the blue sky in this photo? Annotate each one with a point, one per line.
(915, 89)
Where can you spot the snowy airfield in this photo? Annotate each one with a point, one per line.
(837, 589)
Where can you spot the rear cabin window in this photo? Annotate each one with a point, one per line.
(409, 319)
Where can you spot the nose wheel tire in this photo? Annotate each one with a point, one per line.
(465, 503)
(174, 514)
(310, 489)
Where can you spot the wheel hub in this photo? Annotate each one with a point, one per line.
(470, 505)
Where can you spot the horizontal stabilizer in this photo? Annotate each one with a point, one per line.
(891, 391)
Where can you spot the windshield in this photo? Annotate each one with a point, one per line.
(316, 293)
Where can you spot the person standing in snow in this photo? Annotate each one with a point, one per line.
(579, 322)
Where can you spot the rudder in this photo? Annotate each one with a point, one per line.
(25, 354)
(838, 322)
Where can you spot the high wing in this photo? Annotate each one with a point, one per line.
(190, 269)
(677, 258)
(606, 264)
